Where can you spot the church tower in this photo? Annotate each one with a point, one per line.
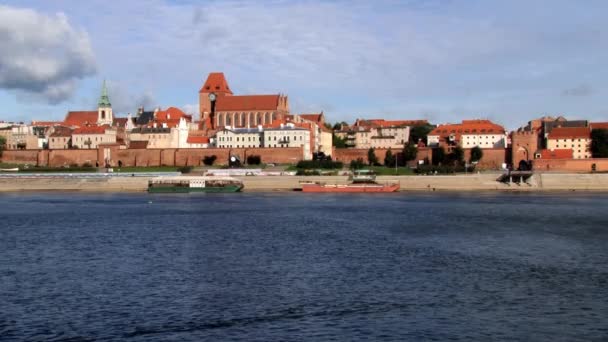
(104, 107)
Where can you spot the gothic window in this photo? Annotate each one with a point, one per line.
(103, 114)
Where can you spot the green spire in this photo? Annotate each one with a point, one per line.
(104, 100)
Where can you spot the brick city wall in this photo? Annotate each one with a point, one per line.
(492, 158)
(570, 165)
(148, 157)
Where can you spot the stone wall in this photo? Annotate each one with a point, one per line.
(570, 165)
(148, 157)
(492, 158)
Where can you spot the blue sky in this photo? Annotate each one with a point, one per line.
(508, 61)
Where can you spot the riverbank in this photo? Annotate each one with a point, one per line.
(472, 182)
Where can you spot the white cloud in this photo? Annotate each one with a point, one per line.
(42, 56)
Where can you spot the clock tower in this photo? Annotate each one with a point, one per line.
(214, 88)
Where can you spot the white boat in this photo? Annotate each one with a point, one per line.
(15, 169)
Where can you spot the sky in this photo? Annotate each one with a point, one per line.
(441, 60)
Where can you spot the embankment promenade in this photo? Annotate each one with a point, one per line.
(472, 182)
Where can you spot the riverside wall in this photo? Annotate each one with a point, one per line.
(471, 182)
(147, 157)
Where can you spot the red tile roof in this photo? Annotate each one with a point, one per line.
(598, 125)
(81, 118)
(120, 122)
(316, 118)
(468, 127)
(389, 123)
(171, 113)
(556, 154)
(570, 133)
(197, 140)
(90, 130)
(61, 131)
(247, 103)
(216, 83)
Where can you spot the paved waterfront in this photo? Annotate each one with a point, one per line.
(304, 267)
(474, 182)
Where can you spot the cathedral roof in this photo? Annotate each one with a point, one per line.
(216, 83)
(247, 103)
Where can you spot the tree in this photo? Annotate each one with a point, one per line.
(439, 156)
(389, 158)
(357, 164)
(338, 142)
(456, 156)
(327, 125)
(338, 125)
(2, 144)
(476, 154)
(420, 132)
(209, 160)
(409, 152)
(599, 143)
(371, 156)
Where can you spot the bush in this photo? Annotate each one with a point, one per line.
(319, 164)
(254, 160)
(185, 169)
(357, 164)
(209, 160)
(87, 164)
(308, 173)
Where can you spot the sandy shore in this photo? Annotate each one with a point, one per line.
(474, 182)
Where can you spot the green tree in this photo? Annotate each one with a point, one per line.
(371, 156)
(357, 164)
(327, 125)
(389, 158)
(409, 152)
(338, 125)
(476, 154)
(439, 156)
(338, 142)
(2, 144)
(420, 133)
(599, 143)
(456, 156)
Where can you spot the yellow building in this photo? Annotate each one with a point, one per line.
(576, 138)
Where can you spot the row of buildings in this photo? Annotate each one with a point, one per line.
(229, 121)
(225, 121)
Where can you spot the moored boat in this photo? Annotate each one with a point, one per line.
(361, 181)
(186, 184)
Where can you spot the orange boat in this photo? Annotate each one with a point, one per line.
(361, 181)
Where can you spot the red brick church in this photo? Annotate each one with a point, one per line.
(219, 107)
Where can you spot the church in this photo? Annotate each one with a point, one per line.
(219, 107)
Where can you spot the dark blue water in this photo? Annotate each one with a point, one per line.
(298, 267)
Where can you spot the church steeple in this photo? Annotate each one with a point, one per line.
(104, 107)
(104, 100)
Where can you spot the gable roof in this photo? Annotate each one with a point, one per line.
(390, 123)
(197, 140)
(90, 130)
(316, 118)
(598, 125)
(566, 153)
(247, 102)
(171, 113)
(570, 133)
(61, 131)
(80, 118)
(216, 83)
